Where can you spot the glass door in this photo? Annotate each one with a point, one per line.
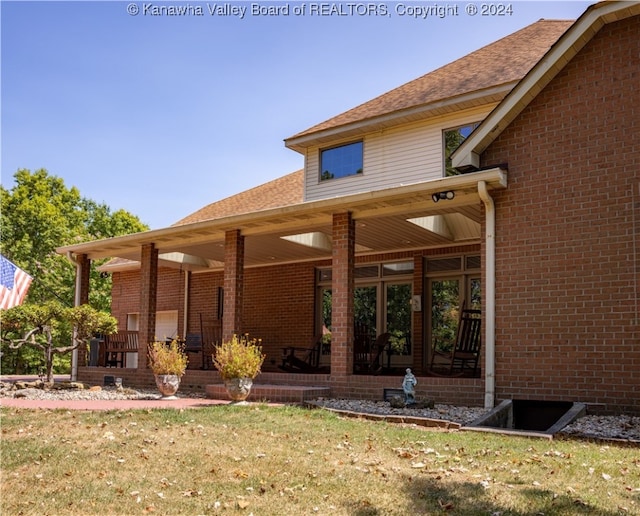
(445, 311)
(398, 324)
(365, 308)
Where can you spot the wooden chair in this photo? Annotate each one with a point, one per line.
(363, 340)
(118, 345)
(303, 359)
(368, 361)
(211, 336)
(202, 343)
(193, 343)
(465, 353)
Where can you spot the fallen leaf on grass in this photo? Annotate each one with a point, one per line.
(447, 506)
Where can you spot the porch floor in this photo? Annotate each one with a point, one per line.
(273, 393)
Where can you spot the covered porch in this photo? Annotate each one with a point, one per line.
(223, 270)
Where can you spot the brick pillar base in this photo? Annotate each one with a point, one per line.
(148, 293)
(342, 286)
(233, 283)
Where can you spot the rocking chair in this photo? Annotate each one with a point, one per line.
(465, 354)
(368, 361)
(303, 360)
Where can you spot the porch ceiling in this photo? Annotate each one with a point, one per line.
(381, 225)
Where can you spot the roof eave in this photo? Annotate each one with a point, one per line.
(297, 215)
(467, 156)
(358, 128)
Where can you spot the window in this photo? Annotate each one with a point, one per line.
(342, 161)
(382, 303)
(452, 282)
(452, 138)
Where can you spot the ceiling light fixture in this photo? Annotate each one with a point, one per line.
(449, 194)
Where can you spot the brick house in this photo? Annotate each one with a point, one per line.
(510, 185)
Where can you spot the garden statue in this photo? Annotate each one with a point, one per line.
(408, 386)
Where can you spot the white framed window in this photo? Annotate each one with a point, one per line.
(341, 161)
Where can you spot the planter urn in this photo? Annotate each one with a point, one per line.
(167, 384)
(238, 389)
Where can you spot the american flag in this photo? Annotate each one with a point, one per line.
(14, 284)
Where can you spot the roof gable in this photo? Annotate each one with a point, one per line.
(467, 156)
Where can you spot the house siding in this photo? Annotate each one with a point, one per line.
(567, 233)
(395, 157)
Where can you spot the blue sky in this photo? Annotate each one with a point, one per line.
(161, 115)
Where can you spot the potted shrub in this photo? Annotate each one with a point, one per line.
(168, 361)
(238, 360)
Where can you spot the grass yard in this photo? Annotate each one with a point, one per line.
(265, 460)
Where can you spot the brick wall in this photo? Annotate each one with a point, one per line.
(125, 293)
(567, 233)
(279, 307)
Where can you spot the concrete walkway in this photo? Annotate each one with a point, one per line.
(178, 403)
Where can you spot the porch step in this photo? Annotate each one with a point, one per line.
(273, 393)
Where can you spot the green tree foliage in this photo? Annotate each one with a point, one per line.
(44, 328)
(39, 214)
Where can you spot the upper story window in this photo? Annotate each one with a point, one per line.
(342, 161)
(452, 138)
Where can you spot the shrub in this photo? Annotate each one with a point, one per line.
(240, 357)
(167, 358)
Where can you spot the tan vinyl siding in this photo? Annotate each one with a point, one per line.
(402, 156)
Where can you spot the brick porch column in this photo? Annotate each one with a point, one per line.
(148, 292)
(233, 283)
(342, 285)
(83, 270)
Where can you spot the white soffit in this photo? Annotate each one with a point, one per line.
(452, 226)
(319, 240)
(316, 240)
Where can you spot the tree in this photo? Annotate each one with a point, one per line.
(39, 214)
(41, 327)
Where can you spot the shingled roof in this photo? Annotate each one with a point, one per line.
(503, 62)
(283, 191)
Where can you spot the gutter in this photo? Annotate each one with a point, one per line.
(490, 296)
(76, 302)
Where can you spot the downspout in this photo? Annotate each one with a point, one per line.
(76, 302)
(490, 296)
